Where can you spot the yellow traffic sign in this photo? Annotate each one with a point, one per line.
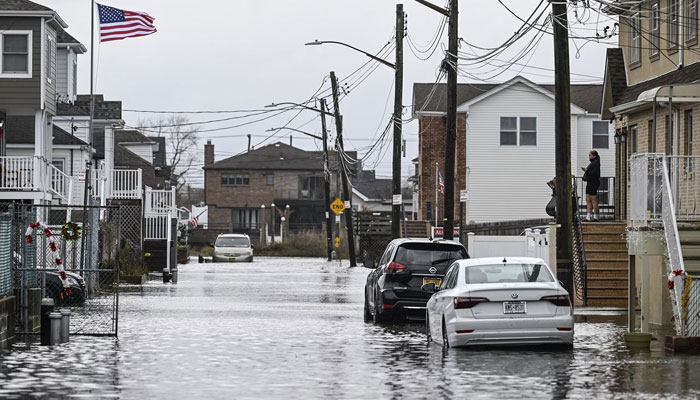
(337, 206)
(337, 242)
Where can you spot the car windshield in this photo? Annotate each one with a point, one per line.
(232, 242)
(502, 273)
(415, 254)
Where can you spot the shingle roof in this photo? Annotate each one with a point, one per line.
(687, 74)
(22, 5)
(81, 107)
(63, 37)
(373, 188)
(130, 136)
(585, 96)
(276, 156)
(20, 130)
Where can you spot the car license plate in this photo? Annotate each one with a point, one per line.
(436, 281)
(232, 259)
(514, 307)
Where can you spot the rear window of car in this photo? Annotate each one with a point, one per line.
(429, 254)
(504, 273)
(232, 242)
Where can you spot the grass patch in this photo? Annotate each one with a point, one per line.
(302, 244)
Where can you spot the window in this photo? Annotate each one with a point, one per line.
(689, 132)
(311, 187)
(673, 24)
(601, 136)
(270, 179)
(692, 21)
(245, 218)
(518, 131)
(635, 39)
(234, 180)
(505, 273)
(59, 163)
(655, 30)
(16, 61)
(49, 56)
(651, 148)
(632, 139)
(386, 256)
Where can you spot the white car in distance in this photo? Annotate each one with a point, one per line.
(499, 301)
(233, 247)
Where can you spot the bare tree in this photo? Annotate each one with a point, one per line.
(180, 140)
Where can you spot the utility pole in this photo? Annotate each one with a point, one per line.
(396, 215)
(562, 143)
(327, 183)
(451, 137)
(344, 173)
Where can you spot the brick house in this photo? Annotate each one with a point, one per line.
(240, 190)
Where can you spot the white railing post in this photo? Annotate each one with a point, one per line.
(139, 184)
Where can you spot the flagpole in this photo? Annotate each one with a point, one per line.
(89, 138)
(437, 171)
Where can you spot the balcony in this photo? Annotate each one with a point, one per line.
(32, 174)
(126, 184)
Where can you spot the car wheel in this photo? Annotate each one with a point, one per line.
(368, 314)
(429, 337)
(445, 340)
(251, 259)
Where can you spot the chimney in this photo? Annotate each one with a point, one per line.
(290, 141)
(249, 142)
(208, 153)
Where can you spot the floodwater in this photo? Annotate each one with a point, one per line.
(292, 329)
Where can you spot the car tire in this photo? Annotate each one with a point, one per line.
(368, 314)
(429, 337)
(251, 259)
(445, 339)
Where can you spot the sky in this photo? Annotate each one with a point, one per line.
(244, 54)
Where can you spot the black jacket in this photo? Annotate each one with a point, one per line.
(592, 171)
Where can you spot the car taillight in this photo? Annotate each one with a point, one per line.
(468, 302)
(559, 301)
(394, 268)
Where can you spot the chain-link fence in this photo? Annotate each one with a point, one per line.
(692, 308)
(87, 243)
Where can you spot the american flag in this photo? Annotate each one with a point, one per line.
(116, 24)
(194, 222)
(441, 183)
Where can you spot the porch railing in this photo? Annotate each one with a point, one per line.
(17, 173)
(61, 184)
(606, 196)
(160, 202)
(156, 227)
(126, 184)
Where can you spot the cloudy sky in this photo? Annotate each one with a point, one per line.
(244, 54)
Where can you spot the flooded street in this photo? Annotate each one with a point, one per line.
(292, 328)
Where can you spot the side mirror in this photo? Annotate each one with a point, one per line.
(429, 288)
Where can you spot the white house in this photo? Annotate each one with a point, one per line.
(507, 139)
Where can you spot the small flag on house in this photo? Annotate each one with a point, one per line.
(441, 183)
(116, 24)
(194, 222)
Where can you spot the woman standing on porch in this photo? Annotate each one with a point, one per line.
(592, 178)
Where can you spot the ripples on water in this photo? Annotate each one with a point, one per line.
(281, 328)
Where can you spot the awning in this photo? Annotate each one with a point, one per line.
(681, 93)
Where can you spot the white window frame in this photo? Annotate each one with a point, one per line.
(30, 43)
(673, 25)
(62, 160)
(635, 39)
(518, 131)
(49, 54)
(655, 30)
(691, 17)
(593, 134)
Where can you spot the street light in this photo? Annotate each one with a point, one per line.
(398, 111)
(289, 103)
(295, 130)
(375, 58)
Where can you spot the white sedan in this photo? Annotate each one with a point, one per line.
(499, 301)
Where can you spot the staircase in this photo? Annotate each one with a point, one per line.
(606, 258)
(690, 247)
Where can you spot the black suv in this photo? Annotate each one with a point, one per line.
(393, 288)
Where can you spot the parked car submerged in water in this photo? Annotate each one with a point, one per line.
(393, 288)
(499, 301)
(233, 247)
(55, 289)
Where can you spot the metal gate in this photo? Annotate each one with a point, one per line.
(91, 264)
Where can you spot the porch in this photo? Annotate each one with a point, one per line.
(33, 178)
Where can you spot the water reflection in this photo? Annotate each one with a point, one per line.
(293, 329)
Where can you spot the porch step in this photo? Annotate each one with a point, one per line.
(616, 255)
(604, 227)
(609, 273)
(614, 292)
(607, 301)
(612, 244)
(599, 282)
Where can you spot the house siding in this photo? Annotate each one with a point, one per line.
(50, 88)
(23, 93)
(144, 151)
(584, 140)
(62, 70)
(509, 182)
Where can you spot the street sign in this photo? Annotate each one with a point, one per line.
(337, 206)
(337, 242)
(463, 196)
(439, 232)
(396, 200)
